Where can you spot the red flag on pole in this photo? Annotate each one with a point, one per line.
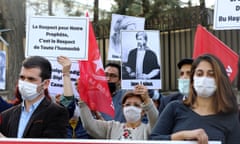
(92, 83)
(205, 42)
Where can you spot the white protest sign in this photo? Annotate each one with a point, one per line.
(227, 14)
(54, 36)
(56, 83)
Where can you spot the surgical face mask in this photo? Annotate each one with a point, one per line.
(183, 86)
(132, 113)
(204, 86)
(112, 87)
(28, 90)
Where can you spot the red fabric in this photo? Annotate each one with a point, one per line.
(205, 42)
(92, 84)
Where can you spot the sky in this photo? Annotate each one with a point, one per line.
(104, 4)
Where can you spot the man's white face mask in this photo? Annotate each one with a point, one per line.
(28, 90)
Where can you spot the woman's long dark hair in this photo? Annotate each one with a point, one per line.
(224, 98)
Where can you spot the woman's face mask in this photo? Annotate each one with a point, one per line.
(204, 86)
(132, 113)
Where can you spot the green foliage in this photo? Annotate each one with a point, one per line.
(147, 8)
(53, 7)
(161, 14)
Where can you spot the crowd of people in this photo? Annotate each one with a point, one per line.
(204, 109)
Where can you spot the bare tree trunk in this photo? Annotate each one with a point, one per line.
(50, 7)
(13, 12)
(96, 10)
(202, 3)
(145, 6)
(204, 14)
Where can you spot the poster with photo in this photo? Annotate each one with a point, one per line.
(119, 23)
(141, 59)
(2, 70)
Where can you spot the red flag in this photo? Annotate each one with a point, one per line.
(205, 42)
(92, 83)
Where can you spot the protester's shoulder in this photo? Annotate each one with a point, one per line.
(115, 124)
(6, 114)
(174, 96)
(228, 117)
(122, 91)
(58, 110)
(12, 109)
(176, 104)
(4, 105)
(56, 106)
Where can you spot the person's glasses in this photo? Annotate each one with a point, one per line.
(111, 75)
(132, 104)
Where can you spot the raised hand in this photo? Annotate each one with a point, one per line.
(143, 91)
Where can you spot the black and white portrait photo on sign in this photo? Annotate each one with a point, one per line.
(119, 23)
(141, 59)
(2, 70)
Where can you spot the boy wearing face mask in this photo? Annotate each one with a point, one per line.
(184, 67)
(36, 116)
(135, 103)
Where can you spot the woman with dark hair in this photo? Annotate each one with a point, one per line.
(210, 112)
(135, 103)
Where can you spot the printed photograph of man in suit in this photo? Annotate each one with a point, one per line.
(141, 59)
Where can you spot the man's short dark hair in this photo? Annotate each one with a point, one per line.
(116, 66)
(184, 61)
(39, 62)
